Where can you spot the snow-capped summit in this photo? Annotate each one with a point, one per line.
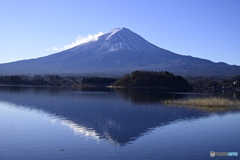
(130, 40)
(122, 39)
(112, 32)
(117, 52)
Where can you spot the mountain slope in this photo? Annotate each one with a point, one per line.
(116, 52)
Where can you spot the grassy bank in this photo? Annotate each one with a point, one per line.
(204, 102)
(212, 104)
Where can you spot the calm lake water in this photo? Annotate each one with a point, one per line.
(67, 123)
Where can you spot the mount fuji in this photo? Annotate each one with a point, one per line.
(117, 52)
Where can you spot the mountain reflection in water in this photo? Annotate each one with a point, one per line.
(117, 116)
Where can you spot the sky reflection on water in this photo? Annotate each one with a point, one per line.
(62, 123)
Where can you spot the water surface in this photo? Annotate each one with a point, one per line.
(68, 123)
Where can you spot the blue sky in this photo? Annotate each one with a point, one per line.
(208, 29)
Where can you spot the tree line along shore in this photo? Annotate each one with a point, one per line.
(136, 79)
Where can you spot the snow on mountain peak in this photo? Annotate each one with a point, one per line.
(119, 39)
(123, 38)
(113, 31)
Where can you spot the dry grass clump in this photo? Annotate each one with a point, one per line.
(204, 102)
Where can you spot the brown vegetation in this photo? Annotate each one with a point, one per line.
(205, 102)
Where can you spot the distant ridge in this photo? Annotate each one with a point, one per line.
(117, 52)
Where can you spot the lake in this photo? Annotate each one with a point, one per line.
(93, 123)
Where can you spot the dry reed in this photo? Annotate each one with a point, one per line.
(204, 102)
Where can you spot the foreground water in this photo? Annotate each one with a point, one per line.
(57, 123)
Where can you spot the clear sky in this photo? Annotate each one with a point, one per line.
(208, 29)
